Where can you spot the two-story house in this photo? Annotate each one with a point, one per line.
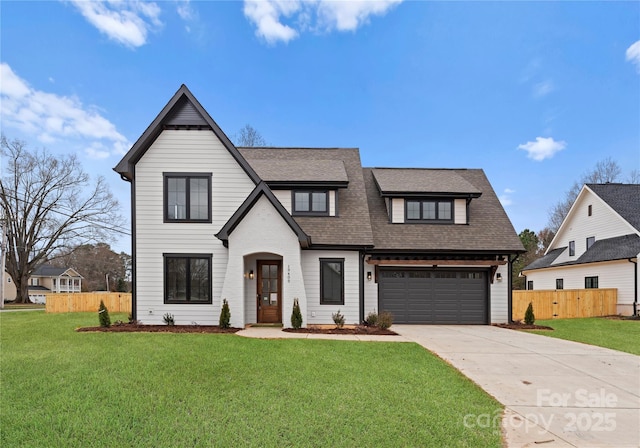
(261, 227)
(596, 246)
(46, 279)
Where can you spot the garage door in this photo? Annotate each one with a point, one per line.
(416, 296)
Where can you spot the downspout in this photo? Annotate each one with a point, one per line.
(510, 287)
(635, 286)
(134, 276)
(362, 255)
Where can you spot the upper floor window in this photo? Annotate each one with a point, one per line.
(591, 282)
(187, 197)
(530, 285)
(311, 203)
(589, 210)
(559, 283)
(590, 241)
(572, 248)
(429, 210)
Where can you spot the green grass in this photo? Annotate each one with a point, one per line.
(60, 388)
(616, 334)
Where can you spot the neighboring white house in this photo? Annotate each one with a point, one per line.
(47, 279)
(261, 227)
(596, 246)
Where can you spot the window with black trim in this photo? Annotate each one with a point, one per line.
(572, 248)
(311, 203)
(530, 285)
(590, 241)
(428, 210)
(589, 210)
(559, 283)
(187, 197)
(187, 278)
(332, 281)
(591, 282)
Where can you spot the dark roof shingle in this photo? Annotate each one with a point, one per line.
(414, 180)
(351, 227)
(489, 228)
(298, 170)
(623, 198)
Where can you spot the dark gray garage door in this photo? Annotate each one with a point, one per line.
(416, 296)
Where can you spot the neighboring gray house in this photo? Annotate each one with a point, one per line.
(261, 227)
(596, 246)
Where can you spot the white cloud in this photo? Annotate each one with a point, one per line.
(542, 148)
(505, 197)
(543, 88)
(125, 21)
(633, 54)
(268, 16)
(51, 117)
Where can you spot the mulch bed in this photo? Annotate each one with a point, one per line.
(522, 326)
(360, 329)
(139, 328)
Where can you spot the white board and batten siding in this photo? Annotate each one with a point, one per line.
(196, 151)
(262, 235)
(611, 274)
(602, 224)
(321, 314)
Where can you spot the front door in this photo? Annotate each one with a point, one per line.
(269, 291)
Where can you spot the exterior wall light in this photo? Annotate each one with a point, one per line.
(369, 275)
(250, 275)
(499, 276)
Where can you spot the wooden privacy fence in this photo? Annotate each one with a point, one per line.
(88, 301)
(565, 303)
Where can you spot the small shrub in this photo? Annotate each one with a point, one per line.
(338, 318)
(385, 320)
(169, 319)
(296, 315)
(372, 319)
(225, 315)
(529, 317)
(103, 315)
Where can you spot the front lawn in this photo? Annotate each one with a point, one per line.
(61, 388)
(617, 334)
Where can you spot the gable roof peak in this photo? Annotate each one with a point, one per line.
(183, 109)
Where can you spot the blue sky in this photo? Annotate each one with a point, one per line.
(534, 93)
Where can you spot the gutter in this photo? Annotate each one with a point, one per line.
(635, 286)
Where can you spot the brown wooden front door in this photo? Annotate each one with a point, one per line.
(269, 291)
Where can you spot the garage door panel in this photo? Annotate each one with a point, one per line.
(434, 297)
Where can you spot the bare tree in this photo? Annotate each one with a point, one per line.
(49, 203)
(101, 267)
(634, 177)
(606, 170)
(249, 136)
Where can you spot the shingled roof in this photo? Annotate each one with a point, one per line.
(623, 198)
(318, 171)
(399, 181)
(609, 249)
(489, 228)
(351, 227)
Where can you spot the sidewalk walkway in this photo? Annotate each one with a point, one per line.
(277, 333)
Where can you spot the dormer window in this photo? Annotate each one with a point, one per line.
(429, 210)
(313, 203)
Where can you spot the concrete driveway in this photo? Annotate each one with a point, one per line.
(556, 393)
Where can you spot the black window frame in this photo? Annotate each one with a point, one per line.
(593, 241)
(422, 219)
(187, 177)
(591, 282)
(187, 257)
(311, 211)
(572, 248)
(559, 283)
(589, 210)
(323, 299)
(529, 285)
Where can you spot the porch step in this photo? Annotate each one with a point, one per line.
(264, 326)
